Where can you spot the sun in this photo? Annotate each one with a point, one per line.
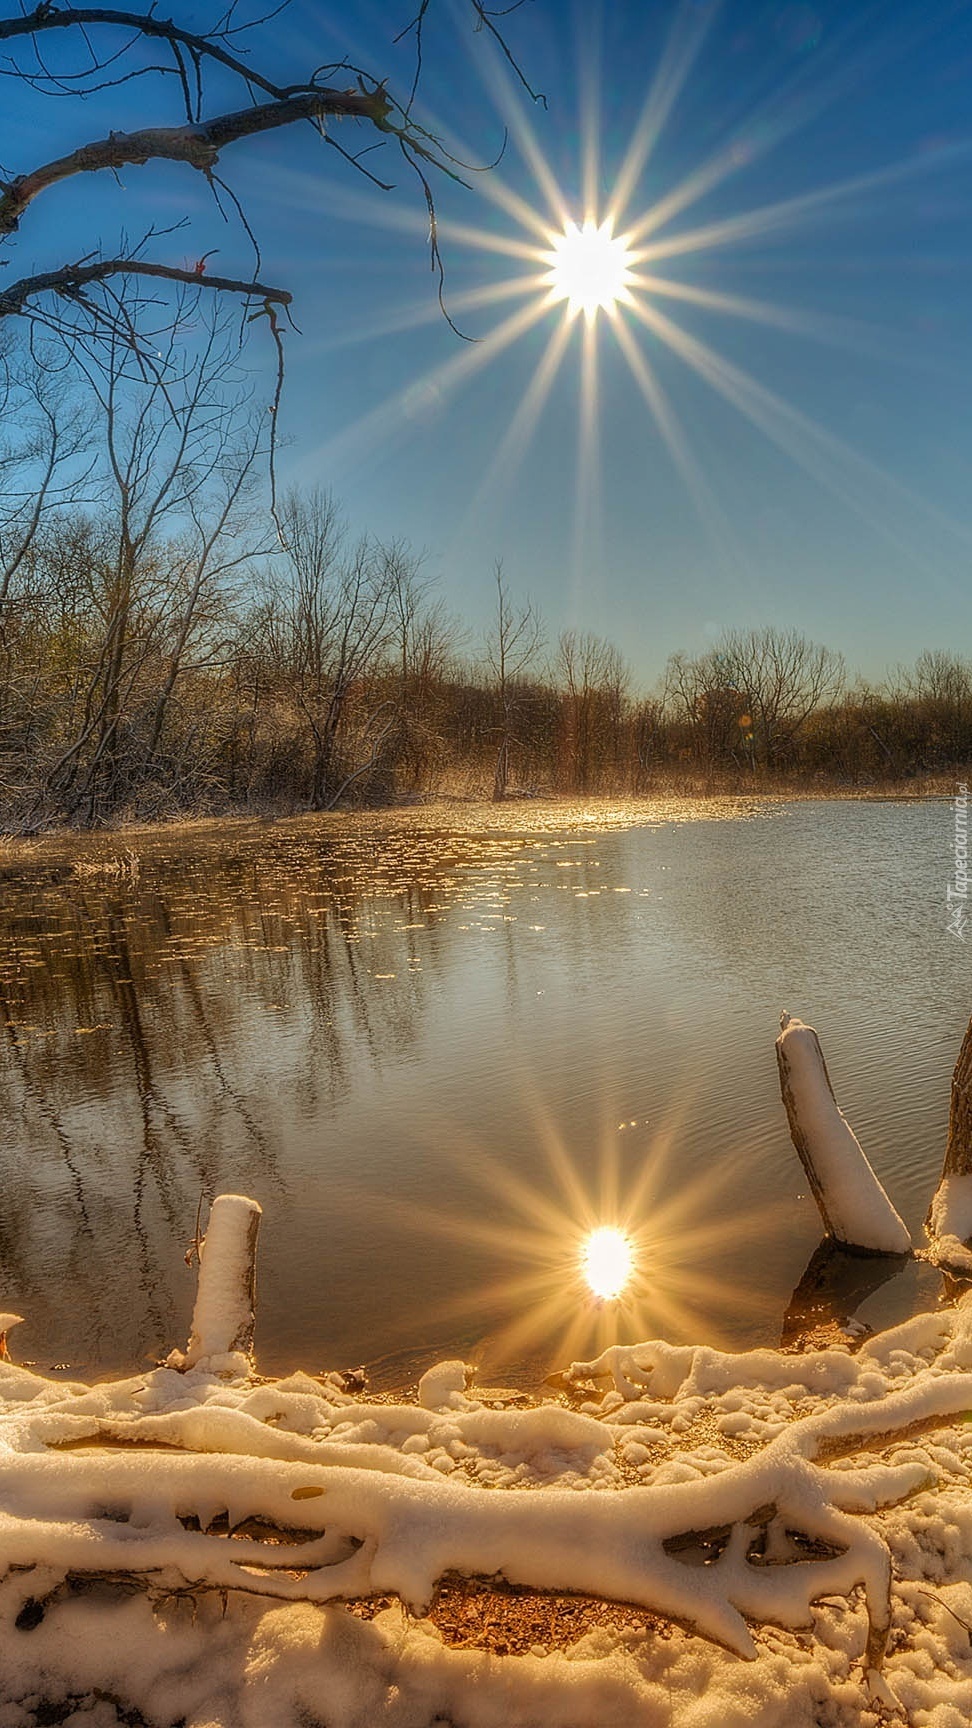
(570, 259)
(589, 268)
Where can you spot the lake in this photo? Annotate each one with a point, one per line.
(440, 1048)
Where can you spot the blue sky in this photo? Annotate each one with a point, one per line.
(815, 471)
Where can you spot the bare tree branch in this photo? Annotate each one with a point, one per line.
(46, 17)
(197, 145)
(72, 278)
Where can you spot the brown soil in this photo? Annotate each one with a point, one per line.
(510, 1620)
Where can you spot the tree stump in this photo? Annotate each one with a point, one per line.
(853, 1205)
(224, 1312)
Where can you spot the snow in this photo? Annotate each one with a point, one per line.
(792, 1534)
(855, 1207)
(950, 1222)
(443, 1385)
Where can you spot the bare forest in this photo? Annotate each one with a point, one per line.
(175, 651)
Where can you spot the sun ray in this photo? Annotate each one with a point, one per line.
(800, 98)
(307, 191)
(820, 453)
(713, 517)
(609, 1185)
(783, 213)
(688, 31)
(577, 1202)
(522, 427)
(847, 333)
(425, 312)
(536, 1204)
(590, 114)
(371, 428)
(521, 1295)
(587, 509)
(482, 240)
(496, 190)
(497, 82)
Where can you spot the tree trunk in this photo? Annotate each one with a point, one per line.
(958, 1148)
(501, 772)
(949, 1221)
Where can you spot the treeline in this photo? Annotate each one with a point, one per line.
(184, 676)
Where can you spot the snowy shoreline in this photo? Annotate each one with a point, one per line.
(722, 1493)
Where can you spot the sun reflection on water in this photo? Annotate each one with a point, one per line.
(566, 1284)
(607, 1261)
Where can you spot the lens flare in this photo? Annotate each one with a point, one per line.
(607, 1261)
(589, 268)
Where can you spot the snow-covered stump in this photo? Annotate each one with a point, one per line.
(853, 1205)
(949, 1221)
(225, 1310)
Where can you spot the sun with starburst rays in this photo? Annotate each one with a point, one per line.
(610, 267)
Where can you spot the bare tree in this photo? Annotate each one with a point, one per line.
(512, 645)
(595, 685)
(938, 692)
(750, 697)
(706, 705)
(783, 678)
(426, 639)
(177, 448)
(44, 467)
(328, 628)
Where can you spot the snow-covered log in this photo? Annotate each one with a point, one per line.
(949, 1221)
(156, 1512)
(364, 1532)
(854, 1207)
(224, 1314)
(296, 1491)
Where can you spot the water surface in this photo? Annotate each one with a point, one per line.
(439, 1049)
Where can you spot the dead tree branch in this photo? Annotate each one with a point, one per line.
(71, 279)
(196, 145)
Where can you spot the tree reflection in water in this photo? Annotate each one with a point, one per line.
(139, 1008)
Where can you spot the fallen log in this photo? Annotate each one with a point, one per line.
(853, 1205)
